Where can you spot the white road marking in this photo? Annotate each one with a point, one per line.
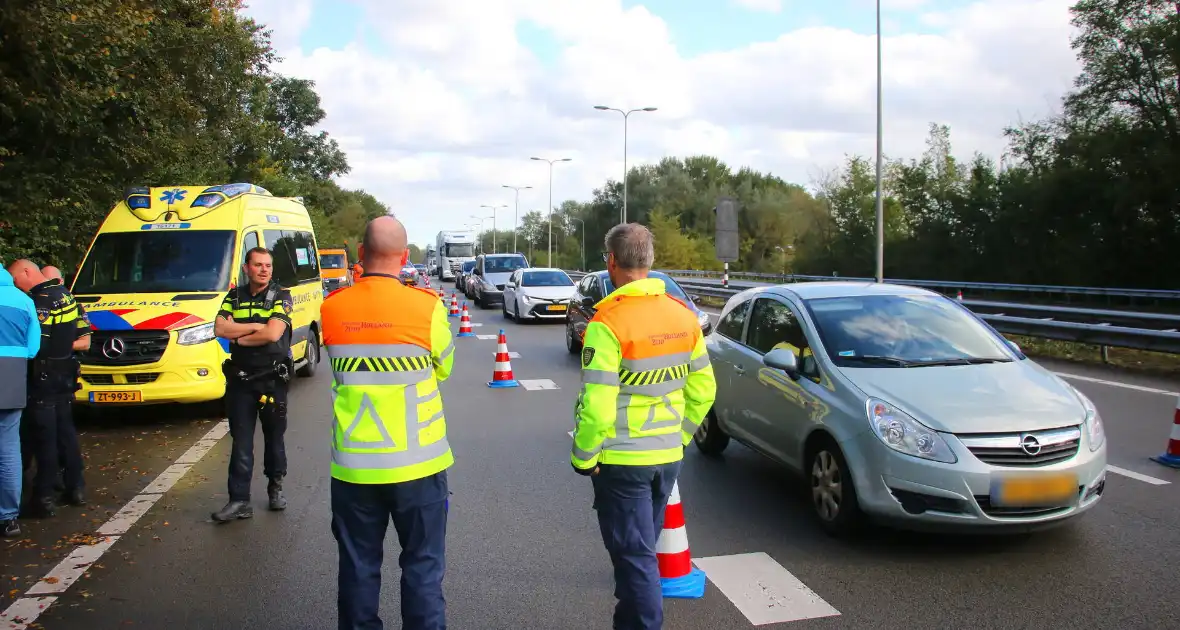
(571, 433)
(537, 384)
(1138, 476)
(763, 590)
(487, 337)
(1139, 388)
(29, 607)
(511, 355)
(476, 324)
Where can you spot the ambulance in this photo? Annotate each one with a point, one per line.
(154, 278)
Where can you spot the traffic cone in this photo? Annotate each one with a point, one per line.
(959, 296)
(502, 372)
(678, 578)
(1171, 457)
(465, 324)
(454, 306)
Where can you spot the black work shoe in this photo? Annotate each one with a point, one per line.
(76, 498)
(9, 529)
(40, 508)
(233, 510)
(274, 490)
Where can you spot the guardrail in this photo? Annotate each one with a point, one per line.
(1120, 329)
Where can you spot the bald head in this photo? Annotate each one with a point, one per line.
(384, 246)
(51, 273)
(25, 274)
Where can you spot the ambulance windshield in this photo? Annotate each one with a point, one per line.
(157, 261)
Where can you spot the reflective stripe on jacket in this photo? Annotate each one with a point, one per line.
(389, 346)
(646, 379)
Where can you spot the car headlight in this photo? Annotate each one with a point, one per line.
(525, 298)
(903, 434)
(195, 335)
(1093, 422)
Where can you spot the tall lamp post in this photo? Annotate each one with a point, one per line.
(880, 198)
(551, 163)
(516, 220)
(626, 116)
(481, 220)
(583, 239)
(494, 208)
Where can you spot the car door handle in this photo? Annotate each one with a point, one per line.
(739, 369)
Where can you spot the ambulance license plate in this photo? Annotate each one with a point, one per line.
(555, 307)
(116, 397)
(1040, 491)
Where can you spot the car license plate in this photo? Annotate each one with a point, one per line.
(116, 397)
(1039, 491)
(555, 307)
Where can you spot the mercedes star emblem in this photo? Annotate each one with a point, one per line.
(1030, 444)
(113, 348)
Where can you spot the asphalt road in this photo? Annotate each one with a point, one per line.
(524, 548)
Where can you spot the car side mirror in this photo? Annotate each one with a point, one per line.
(509, 285)
(588, 302)
(694, 298)
(782, 359)
(1013, 345)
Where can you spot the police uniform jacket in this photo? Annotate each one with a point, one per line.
(273, 302)
(63, 321)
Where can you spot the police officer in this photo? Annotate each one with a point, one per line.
(256, 319)
(646, 386)
(53, 379)
(390, 453)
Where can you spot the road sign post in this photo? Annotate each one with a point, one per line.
(726, 239)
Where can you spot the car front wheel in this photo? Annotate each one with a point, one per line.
(572, 343)
(832, 494)
(709, 438)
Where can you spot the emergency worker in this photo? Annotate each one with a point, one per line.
(256, 319)
(390, 453)
(646, 386)
(53, 379)
(358, 270)
(54, 274)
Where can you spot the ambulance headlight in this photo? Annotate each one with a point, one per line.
(195, 335)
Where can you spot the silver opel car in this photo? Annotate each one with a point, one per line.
(900, 404)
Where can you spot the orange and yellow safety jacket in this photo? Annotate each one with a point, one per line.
(387, 362)
(646, 379)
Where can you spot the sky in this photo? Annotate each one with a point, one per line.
(439, 104)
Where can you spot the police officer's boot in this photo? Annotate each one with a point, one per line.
(274, 490)
(233, 510)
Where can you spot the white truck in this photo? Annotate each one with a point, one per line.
(452, 248)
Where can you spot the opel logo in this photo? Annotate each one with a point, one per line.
(1030, 444)
(113, 348)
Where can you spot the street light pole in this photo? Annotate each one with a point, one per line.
(583, 240)
(481, 220)
(626, 116)
(551, 162)
(880, 134)
(516, 220)
(494, 223)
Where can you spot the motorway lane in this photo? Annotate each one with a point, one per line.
(524, 547)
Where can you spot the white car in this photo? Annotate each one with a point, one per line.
(537, 293)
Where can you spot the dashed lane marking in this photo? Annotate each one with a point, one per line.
(1139, 388)
(28, 608)
(537, 384)
(1137, 476)
(511, 355)
(487, 337)
(763, 590)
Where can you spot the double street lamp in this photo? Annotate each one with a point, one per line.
(880, 198)
(551, 163)
(626, 116)
(494, 208)
(569, 218)
(481, 220)
(516, 221)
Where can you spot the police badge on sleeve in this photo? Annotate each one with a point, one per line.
(587, 356)
(42, 315)
(288, 305)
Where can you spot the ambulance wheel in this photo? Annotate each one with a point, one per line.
(312, 355)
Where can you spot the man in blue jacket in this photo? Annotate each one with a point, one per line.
(20, 339)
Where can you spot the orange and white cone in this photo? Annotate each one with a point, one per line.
(454, 306)
(465, 324)
(959, 296)
(1171, 457)
(678, 578)
(502, 372)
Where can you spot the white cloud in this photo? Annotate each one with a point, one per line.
(768, 6)
(451, 105)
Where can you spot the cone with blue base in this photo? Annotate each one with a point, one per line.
(678, 578)
(465, 324)
(454, 306)
(502, 372)
(1171, 457)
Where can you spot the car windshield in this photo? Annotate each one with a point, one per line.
(333, 261)
(670, 286)
(545, 279)
(157, 261)
(420, 267)
(902, 331)
(458, 250)
(502, 264)
(468, 266)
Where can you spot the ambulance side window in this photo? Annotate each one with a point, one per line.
(306, 261)
(249, 241)
(282, 249)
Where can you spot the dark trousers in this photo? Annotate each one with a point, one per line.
(360, 515)
(50, 437)
(244, 410)
(630, 502)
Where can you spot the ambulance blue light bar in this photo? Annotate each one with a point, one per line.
(138, 197)
(216, 195)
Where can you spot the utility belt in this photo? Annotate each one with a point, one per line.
(54, 376)
(261, 373)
